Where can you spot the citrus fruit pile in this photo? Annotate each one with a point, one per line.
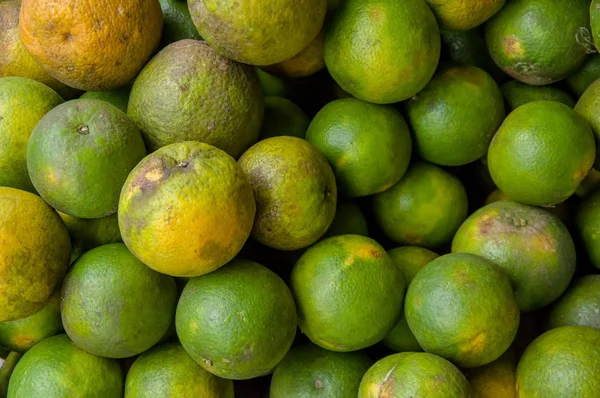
(300, 198)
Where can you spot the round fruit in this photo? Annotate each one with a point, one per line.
(348, 292)
(189, 92)
(401, 63)
(168, 371)
(177, 22)
(7, 366)
(588, 107)
(524, 41)
(368, 145)
(563, 362)
(595, 25)
(23, 102)
(349, 220)
(118, 98)
(516, 94)
(34, 253)
(90, 233)
(307, 62)
(309, 371)
(496, 379)
(56, 368)
(134, 305)
(532, 246)
(541, 153)
(587, 218)
(295, 192)
(463, 14)
(22, 334)
(579, 306)
(583, 77)
(283, 117)
(461, 307)
(410, 260)
(258, 33)
(414, 374)
(425, 208)
(91, 47)
(272, 86)
(455, 116)
(186, 209)
(237, 322)
(15, 60)
(80, 154)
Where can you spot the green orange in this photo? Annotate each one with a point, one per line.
(188, 92)
(496, 379)
(349, 219)
(463, 14)
(237, 322)
(523, 39)
(564, 362)
(283, 117)
(402, 62)
(118, 98)
(89, 233)
(23, 102)
(7, 366)
(586, 219)
(532, 246)
(295, 192)
(168, 371)
(108, 286)
(177, 22)
(414, 374)
(580, 305)
(22, 334)
(307, 62)
(517, 93)
(348, 292)
(583, 77)
(367, 145)
(425, 208)
(186, 209)
(309, 371)
(541, 153)
(455, 116)
(462, 308)
(79, 155)
(34, 253)
(56, 368)
(588, 107)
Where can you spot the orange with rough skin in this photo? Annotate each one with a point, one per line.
(90, 45)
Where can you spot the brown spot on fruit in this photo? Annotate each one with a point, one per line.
(512, 46)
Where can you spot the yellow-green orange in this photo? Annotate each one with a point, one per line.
(560, 210)
(348, 292)
(295, 192)
(589, 184)
(349, 219)
(517, 93)
(564, 362)
(588, 107)
(118, 98)
(410, 260)
(307, 62)
(22, 334)
(168, 371)
(34, 253)
(15, 60)
(283, 117)
(80, 154)
(189, 92)
(532, 246)
(541, 153)
(186, 209)
(88, 46)
(463, 14)
(177, 22)
(367, 145)
(589, 72)
(56, 368)
(258, 33)
(525, 42)
(308, 371)
(425, 208)
(414, 374)
(496, 379)
(402, 62)
(23, 102)
(109, 286)
(237, 322)
(94, 232)
(580, 305)
(461, 307)
(455, 116)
